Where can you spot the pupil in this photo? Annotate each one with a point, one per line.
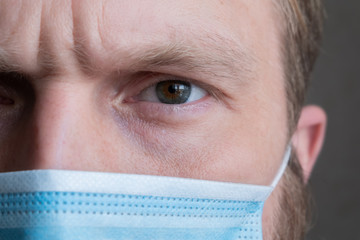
(172, 89)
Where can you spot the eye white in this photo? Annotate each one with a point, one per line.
(196, 93)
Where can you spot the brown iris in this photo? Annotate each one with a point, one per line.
(173, 91)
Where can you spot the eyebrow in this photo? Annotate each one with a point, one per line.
(5, 66)
(212, 55)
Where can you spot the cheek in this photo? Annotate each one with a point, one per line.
(213, 149)
(245, 148)
(220, 146)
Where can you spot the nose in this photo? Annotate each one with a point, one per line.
(62, 132)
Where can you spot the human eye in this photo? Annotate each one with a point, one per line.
(7, 96)
(157, 97)
(5, 100)
(15, 93)
(172, 92)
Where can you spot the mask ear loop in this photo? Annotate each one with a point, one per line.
(283, 166)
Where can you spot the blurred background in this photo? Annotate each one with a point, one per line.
(335, 182)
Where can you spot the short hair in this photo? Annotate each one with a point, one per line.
(302, 31)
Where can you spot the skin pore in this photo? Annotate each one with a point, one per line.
(81, 68)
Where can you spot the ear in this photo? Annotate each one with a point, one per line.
(309, 137)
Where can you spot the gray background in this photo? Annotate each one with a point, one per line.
(335, 181)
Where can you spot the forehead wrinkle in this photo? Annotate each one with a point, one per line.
(88, 37)
(56, 39)
(44, 57)
(210, 54)
(84, 58)
(18, 36)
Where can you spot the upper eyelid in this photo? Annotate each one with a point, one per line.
(151, 79)
(9, 81)
(168, 78)
(17, 83)
(12, 79)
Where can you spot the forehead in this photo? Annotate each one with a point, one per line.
(38, 34)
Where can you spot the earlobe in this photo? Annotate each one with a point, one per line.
(309, 137)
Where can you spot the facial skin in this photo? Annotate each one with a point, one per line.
(86, 65)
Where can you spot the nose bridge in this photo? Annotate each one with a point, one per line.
(54, 125)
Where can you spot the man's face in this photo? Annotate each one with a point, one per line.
(95, 75)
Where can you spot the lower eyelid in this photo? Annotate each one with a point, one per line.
(150, 111)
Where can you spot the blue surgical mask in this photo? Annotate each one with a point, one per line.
(57, 205)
